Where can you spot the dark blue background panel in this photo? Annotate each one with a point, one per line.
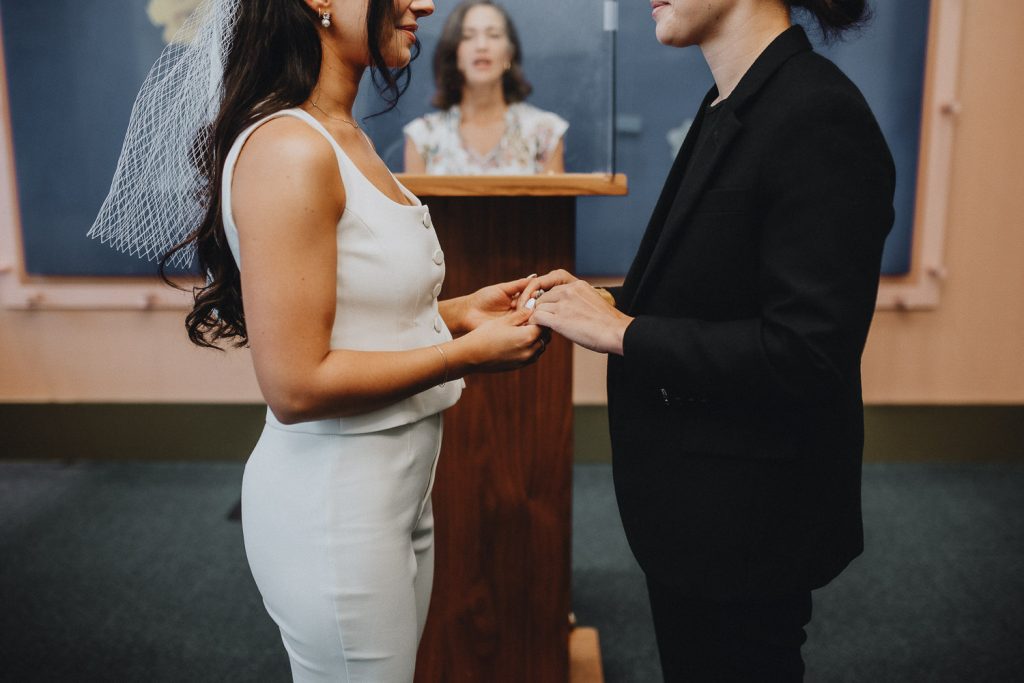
(73, 70)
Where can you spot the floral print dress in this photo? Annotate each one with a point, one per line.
(531, 136)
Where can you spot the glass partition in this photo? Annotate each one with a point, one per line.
(565, 57)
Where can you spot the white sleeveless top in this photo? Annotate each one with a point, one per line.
(390, 272)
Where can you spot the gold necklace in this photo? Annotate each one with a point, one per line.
(334, 118)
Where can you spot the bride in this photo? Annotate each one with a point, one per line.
(330, 271)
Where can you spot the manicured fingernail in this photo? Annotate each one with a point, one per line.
(531, 275)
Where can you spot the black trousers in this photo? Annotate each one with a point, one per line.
(751, 641)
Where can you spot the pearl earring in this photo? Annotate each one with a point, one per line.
(325, 19)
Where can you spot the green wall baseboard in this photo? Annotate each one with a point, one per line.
(228, 432)
(117, 431)
(891, 434)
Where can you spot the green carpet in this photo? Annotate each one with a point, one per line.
(122, 571)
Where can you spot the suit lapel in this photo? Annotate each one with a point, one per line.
(686, 182)
(700, 171)
(665, 201)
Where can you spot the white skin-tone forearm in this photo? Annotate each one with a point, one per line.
(577, 311)
(287, 200)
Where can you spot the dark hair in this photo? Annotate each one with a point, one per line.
(447, 77)
(273, 64)
(834, 16)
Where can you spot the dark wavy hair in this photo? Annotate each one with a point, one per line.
(447, 77)
(273, 64)
(834, 17)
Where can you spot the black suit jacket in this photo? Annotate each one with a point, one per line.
(735, 410)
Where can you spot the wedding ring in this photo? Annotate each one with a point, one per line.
(532, 303)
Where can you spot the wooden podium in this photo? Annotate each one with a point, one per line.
(503, 493)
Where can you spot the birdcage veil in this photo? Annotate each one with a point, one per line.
(157, 197)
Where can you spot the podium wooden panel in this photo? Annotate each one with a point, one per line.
(503, 492)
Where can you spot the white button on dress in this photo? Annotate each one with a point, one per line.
(438, 256)
(437, 290)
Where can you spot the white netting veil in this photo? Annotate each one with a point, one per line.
(157, 196)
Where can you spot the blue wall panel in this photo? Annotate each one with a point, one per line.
(73, 70)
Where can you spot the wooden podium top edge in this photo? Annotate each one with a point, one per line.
(548, 185)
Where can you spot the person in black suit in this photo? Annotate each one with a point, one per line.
(734, 344)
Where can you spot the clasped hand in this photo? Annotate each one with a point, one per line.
(563, 304)
(503, 337)
(575, 310)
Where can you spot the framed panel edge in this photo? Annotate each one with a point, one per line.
(20, 291)
(921, 289)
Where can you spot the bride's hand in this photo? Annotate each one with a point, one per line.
(505, 342)
(488, 303)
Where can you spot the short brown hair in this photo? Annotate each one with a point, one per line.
(447, 77)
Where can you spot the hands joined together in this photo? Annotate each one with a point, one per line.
(503, 315)
(574, 309)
